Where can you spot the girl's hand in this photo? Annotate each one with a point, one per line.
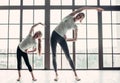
(26, 51)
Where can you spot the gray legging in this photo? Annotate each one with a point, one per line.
(56, 38)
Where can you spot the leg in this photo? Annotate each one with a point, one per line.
(64, 46)
(25, 57)
(19, 75)
(33, 78)
(19, 63)
(53, 47)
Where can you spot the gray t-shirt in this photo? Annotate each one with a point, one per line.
(66, 24)
(27, 43)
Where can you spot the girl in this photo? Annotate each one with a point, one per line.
(23, 49)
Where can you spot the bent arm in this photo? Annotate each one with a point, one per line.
(74, 38)
(29, 51)
(85, 8)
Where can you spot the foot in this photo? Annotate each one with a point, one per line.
(18, 79)
(56, 79)
(77, 79)
(34, 79)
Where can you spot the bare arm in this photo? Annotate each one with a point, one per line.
(86, 8)
(74, 38)
(28, 51)
(32, 28)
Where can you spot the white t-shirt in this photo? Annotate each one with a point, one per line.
(66, 24)
(27, 43)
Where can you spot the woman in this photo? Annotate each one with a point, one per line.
(23, 49)
(58, 36)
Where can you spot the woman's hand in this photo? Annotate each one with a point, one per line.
(100, 9)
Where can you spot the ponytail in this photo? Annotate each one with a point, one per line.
(39, 46)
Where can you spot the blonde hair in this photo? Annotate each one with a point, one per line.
(39, 46)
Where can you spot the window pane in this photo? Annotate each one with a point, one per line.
(116, 60)
(55, 16)
(115, 2)
(55, 2)
(3, 16)
(51, 61)
(116, 17)
(80, 2)
(92, 16)
(39, 16)
(28, 2)
(116, 46)
(12, 61)
(67, 2)
(93, 61)
(65, 64)
(14, 31)
(93, 2)
(116, 31)
(107, 48)
(70, 46)
(92, 46)
(14, 16)
(3, 61)
(39, 2)
(3, 44)
(58, 60)
(81, 31)
(38, 61)
(107, 60)
(3, 31)
(106, 31)
(105, 2)
(5, 2)
(27, 16)
(13, 45)
(92, 31)
(80, 46)
(81, 62)
(106, 17)
(14, 2)
(26, 29)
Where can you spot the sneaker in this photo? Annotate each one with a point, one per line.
(56, 79)
(77, 79)
(34, 79)
(18, 79)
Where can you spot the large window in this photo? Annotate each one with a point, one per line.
(111, 39)
(97, 46)
(15, 24)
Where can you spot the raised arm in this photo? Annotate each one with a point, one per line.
(32, 28)
(86, 8)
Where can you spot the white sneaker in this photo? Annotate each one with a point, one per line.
(77, 79)
(56, 79)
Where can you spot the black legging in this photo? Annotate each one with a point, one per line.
(25, 57)
(56, 38)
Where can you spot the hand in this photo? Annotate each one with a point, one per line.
(41, 24)
(100, 9)
(26, 51)
(65, 37)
